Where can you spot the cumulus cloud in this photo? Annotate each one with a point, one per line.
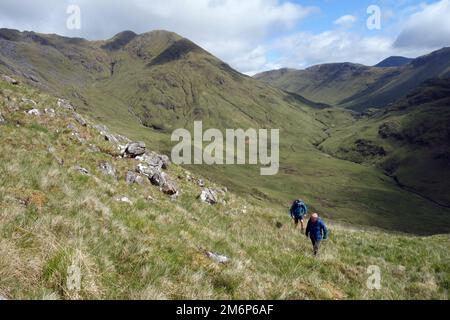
(346, 21)
(306, 49)
(234, 30)
(427, 28)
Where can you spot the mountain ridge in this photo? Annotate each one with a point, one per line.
(361, 87)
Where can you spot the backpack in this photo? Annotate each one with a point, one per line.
(297, 205)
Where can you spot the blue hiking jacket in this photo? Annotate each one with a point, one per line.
(298, 211)
(314, 230)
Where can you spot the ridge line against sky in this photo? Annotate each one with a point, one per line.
(255, 35)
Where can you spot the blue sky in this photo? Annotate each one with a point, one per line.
(255, 35)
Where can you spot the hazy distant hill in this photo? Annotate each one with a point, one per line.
(394, 61)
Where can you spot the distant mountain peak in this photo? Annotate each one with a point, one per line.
(393, 61)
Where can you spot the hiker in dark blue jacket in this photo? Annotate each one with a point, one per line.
(317, 231)
(298, 211)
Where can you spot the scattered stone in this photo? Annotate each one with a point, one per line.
(49, 111)
(51, 149)
(34, 112)
(159, 179)
(170, 188)
(208, 196)
(165, 161)
(65, 104)
(80, 119)
(218, 258)
(107, 168)
(124, 200)
(154, 160)
(135, 149)
(200, 183)
(81, 170)
(2, 120)
(10, 80)
(133, 177)
(146, 171)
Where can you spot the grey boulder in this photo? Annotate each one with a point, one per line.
(135, 149)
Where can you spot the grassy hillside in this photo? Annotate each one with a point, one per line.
(360, 87)
(409, 140)
(144, 86)
(53, 218)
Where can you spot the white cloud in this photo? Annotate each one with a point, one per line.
(346, 21)
(428, 28)
(306, 49)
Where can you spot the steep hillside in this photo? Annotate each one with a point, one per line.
(68, 204)
(144, 86)
(360, 87)
(410, 140)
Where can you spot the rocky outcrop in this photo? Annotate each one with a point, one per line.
(159, 179)
(154, 160)
(209, 196)
(134, 149)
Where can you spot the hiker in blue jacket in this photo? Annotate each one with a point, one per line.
(298, 211)
(317, 231)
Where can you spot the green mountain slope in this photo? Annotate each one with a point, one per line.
(144, 86)
(409, 140)
(360, 87)
(57, 219)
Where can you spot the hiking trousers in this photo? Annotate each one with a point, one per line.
(316, 246)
